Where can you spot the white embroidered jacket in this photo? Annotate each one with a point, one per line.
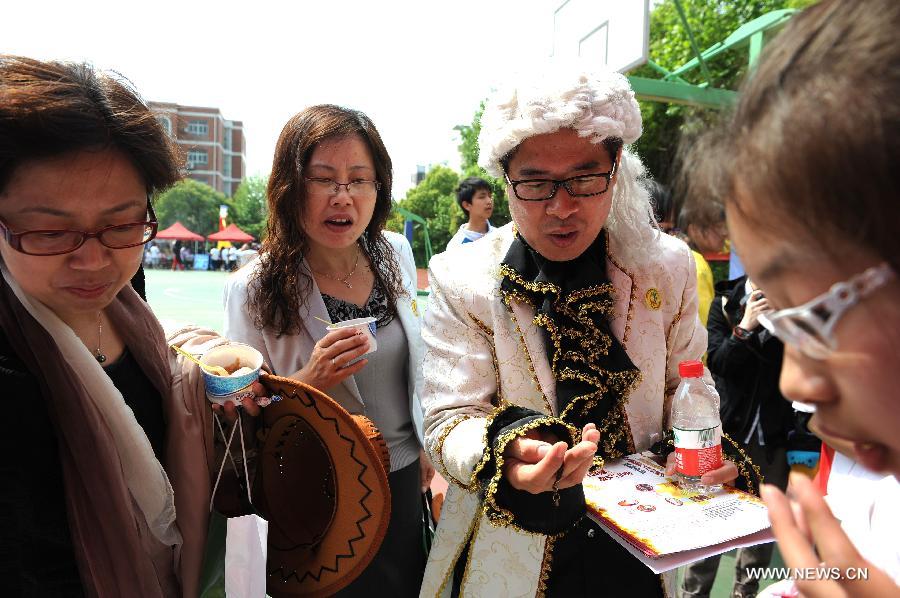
(480, 354)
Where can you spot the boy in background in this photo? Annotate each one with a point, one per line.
(475, 199)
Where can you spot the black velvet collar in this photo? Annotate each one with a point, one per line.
(572, 302)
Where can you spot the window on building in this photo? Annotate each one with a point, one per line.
(226, 166)
(166, 124)
(198, 127)
(197, 158)
(228, 133)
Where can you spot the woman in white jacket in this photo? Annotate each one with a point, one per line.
(327, 257)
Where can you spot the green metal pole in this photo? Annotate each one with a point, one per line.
(694, 45)
(667, 75)
(673, 92)
(756, 46)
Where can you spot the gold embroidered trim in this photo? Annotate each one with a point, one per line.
(439, 448)
(498, 398)
(486, 455)
(534, 378)
(465, 578)
(546, 566)
(631, 299)
(497, 515)
(742, 466)
(675, 321)
(468, 540)
(631, 448)
(672, 325)
(481, 325)
(594, 343)
(537, 287)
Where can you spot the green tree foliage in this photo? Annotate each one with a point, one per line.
(468, 151)
(250, 208)
(434, 199)
(711, 21)
(194, 204)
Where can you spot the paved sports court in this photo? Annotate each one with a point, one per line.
(186, 297)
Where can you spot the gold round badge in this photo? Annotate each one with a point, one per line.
(653, 299)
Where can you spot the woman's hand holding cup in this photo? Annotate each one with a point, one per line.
(251, 407)
(332, 358)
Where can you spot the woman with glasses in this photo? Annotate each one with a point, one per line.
(107, 432)
(808, 166)
(327, 258)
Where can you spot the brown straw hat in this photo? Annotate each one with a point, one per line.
(322, 485)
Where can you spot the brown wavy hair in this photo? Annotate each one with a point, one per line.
(280, 286)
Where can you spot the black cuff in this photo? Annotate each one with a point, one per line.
(504, 505)
(664, 446)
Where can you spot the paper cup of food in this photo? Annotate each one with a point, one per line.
(366, 326)
(242, 362)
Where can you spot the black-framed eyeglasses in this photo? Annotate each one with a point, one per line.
(585, 185)
(359, 189)
(57, 242)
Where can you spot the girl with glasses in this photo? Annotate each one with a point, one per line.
(327, 258)
(107, 432)
(808, 167)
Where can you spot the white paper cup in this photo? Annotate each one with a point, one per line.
(366, 326)
(220, 389)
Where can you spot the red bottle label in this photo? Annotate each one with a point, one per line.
(698, 451)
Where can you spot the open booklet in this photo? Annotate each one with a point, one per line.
(664, 526)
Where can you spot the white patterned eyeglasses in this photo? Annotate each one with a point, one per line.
(810, 327)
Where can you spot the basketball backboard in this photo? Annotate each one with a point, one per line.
(614, 33)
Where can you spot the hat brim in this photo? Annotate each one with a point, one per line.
(322, 484)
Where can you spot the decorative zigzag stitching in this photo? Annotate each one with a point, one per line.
(368, 515)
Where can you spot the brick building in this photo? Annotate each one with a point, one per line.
(214, 147)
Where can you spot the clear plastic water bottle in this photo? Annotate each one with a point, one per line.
(697, 428)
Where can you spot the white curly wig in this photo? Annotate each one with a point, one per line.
(597, 104)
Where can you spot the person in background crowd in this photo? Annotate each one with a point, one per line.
(818, 124)
(474, 197)
(229, 258)
(706, 231)
(663, 205)
(155, 255)
(215, 258)
(186, 256)
(327, 257)
(177, 263)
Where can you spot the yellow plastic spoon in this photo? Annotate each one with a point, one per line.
(213, 369)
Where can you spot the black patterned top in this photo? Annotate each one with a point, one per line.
(376, 307)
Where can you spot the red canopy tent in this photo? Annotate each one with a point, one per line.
(231, 233)
(178, 232)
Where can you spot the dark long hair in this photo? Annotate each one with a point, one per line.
(48, 109)
(813, 145)
(280, 287)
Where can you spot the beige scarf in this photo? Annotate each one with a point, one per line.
(119, 500)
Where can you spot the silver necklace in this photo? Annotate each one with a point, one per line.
(346, 279)
(98, 354)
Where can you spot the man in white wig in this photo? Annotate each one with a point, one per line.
(553, 346)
